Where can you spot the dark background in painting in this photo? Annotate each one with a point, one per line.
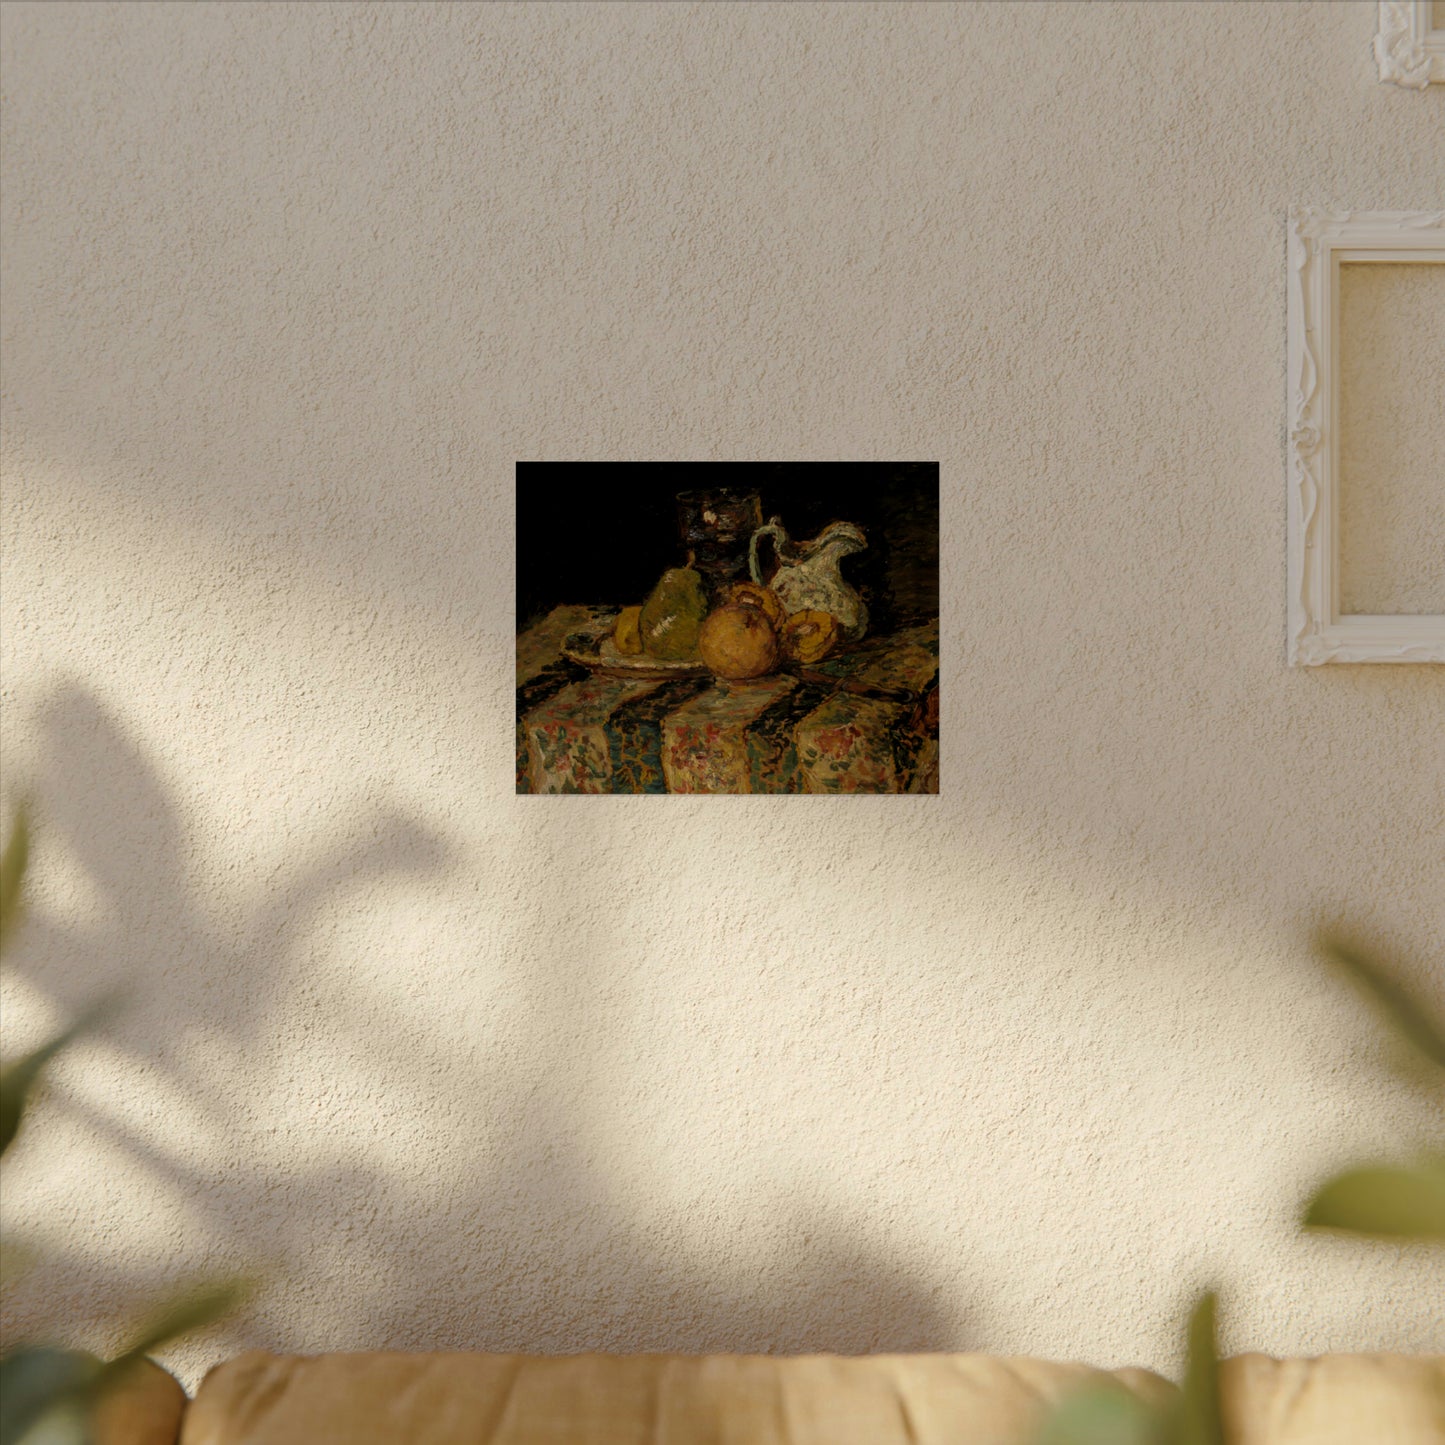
(604, 532)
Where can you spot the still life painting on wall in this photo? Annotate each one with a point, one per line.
(718, 627)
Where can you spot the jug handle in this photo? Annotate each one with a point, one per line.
(849, 530)
(774, 529)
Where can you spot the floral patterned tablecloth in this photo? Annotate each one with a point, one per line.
(863, 722)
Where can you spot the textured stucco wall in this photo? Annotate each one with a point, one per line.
(289, 288)
(1392, 438)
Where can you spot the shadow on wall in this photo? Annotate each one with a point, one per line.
(531, 1249)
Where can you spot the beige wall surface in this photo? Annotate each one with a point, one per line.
(1392, 438)
(289, 288)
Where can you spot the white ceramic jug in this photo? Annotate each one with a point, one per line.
(808, 577)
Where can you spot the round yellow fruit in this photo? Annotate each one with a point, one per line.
(809, 636)
(628, 633)
(753, 594)
(738, 641)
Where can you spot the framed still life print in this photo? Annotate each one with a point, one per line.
(721, 627)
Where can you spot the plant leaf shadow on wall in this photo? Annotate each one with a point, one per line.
(533, 1251)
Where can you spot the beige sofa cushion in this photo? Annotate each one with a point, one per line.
(144, 1407)
(475, 1399)
(1335, 1400)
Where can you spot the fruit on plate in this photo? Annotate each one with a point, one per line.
(627, 634)
(809, 636)
(738, 641)
(672, 616)
(754, 594)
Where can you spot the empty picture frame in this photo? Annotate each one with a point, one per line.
(1410, 43)
(1320, 242)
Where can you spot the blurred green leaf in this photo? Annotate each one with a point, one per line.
(47, 1395)
(1392, 1201)
(36, 1383)
(12, 871)
(196, 1306)
(1411, 1021)
(1197, 1418)
(19, 1078)
(1103, 1413)
(69, 1423)
(53, 1391)
(15, 1260)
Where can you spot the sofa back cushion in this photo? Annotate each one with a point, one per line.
(476, 1399)
(1334, 1400)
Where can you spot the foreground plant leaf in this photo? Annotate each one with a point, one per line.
(54, 1391)
(48, 1396)
(1408, 1018)
(1105, 1413)
(12, 872)
(46, 1385)
(197, 1306)
(1102, 1414)
(16, 1260)
(1391, 1201)
(1198, 1419)
(19, 1078)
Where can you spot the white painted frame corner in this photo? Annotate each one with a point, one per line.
(1320, 241)
(1409, 47)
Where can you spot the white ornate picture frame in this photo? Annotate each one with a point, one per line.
(1410, 43)
(1320, 241)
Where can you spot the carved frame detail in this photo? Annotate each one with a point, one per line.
(1319, 242)
(1409, 49)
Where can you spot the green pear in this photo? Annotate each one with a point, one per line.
(672, 616)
